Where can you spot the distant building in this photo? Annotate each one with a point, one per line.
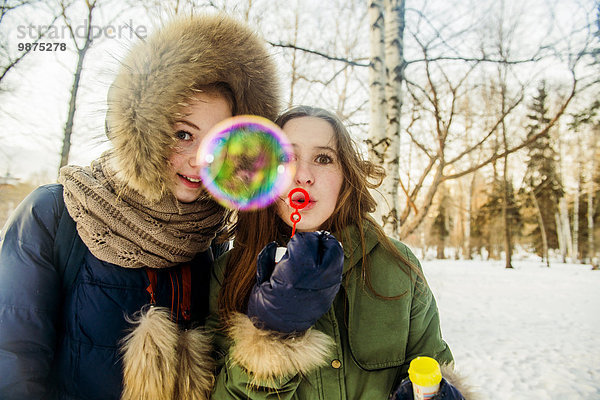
(12, 191)
(8, 180)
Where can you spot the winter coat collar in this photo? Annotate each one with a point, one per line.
(350, 239)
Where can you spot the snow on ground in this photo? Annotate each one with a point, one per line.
(528, 333)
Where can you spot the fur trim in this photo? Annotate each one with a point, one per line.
(458, 382)
(149, 357)
(162, 363)
(269, 356)
(196, 366)
(159, 76)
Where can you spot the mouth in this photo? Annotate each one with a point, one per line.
(190, 181)
(298, 198)
(301, 201)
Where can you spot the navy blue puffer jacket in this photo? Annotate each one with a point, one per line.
(66, 345)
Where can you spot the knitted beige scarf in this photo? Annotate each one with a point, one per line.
(120, 226)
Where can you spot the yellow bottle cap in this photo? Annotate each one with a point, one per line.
(424, 371)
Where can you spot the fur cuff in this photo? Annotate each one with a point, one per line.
(269, 356)
(162, 363)
(196, 366)
(458, 382)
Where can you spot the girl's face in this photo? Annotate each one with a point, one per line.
(203, 113)
(317, 171)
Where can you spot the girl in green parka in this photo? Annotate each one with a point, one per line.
(349, 327)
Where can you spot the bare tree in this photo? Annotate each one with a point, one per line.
(448, 73)
(508, 241)
(505, 35)
(434, 97)
(82, 49)
(163, 10)
(322, 69)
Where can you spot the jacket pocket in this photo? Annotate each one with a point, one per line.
(104, 296)
(377, 328)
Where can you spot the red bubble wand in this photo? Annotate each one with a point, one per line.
(297, 205)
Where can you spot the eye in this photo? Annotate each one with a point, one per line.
(183, 135)
(324, 159)
(288, 157)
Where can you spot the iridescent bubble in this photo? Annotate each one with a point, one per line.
(245, 162)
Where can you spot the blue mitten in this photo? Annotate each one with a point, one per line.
(292, 295)
(446, 391)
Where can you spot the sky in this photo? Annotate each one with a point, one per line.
(33, 109)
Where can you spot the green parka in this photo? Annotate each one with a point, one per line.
(374, 338)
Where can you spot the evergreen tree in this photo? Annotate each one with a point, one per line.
(440, 229)
(486, 223)
(589, 119)
(542, 179)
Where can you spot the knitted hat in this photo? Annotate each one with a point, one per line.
(159, 76)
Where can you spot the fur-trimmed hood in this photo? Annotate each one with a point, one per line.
(158, 77)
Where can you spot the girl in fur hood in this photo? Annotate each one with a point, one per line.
(128, 325)
(327, 321)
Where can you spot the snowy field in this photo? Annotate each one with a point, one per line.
(522, 334)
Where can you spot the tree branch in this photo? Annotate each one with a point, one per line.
(525, 143)
(490, 133)
(318, 53)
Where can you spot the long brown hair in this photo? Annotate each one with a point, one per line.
(255, 229)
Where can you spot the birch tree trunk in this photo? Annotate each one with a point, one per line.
(575, 251)
(394, 66)
(386, 71)
(377, 81)
(467, 246)
(573, 237)
(377, 141)
(563, 230)
(542, 229)
(561, 237)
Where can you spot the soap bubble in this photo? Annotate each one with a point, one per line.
(245, 162)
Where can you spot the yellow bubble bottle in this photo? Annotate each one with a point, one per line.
(425, 375)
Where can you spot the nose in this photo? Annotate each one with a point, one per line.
(193, 156)
(304, 174)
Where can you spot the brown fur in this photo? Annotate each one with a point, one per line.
(196, 377)
(267, 356)
(161, 74)
(458, 382)
(162, 363)
(149, 357)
